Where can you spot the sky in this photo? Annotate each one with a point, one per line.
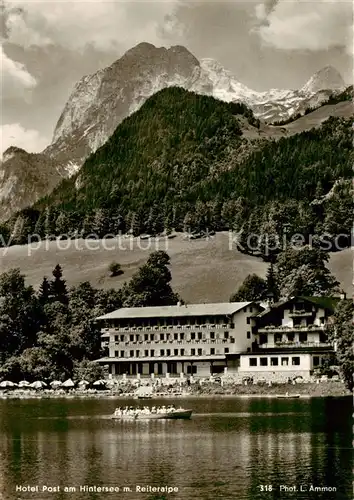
(48, 46)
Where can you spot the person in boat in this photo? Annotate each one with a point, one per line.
(153, 409)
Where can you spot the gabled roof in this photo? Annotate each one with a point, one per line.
(328, 303)
(218, 309)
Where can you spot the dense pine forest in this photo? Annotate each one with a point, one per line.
(182, 162)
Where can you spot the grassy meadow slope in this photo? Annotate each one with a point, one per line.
(202, 270)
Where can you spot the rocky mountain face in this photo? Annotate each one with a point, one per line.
(99, 102)
(25, 177)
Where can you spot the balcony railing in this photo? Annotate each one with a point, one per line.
(296, 328)
(290, 344)
(162, 328)
(300, 313)
(134, 343)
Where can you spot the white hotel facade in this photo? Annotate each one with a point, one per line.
(193, 339)
(286, 339)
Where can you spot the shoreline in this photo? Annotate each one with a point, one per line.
(279, 391)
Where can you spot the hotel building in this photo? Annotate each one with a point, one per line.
(193, 339)
(290, 338)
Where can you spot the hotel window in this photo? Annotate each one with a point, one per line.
(226, 335)
(122, 354)
(122, 338)
(116, 354)
(253, 361)
(274, 361)
(162, 336)
(162, 352)
(212, 350)
(146, 353)
(248, 335)
(296, 361)
(146, 336)
(175, 336)
(116, 338)
(291, 337)
(182, 352)
(168, 352)
(200, 352)
(248, 320)
(303, 337)
(137, 353)
(212, 335)
(263, 361)
(131, 337)
(176, 352)
(284, 361)
(152, 353)
(200, 335)
(152, 337)
(192, 352)
(316, 361)
(181, 336)
(131, 354)
(226, 350)
(192, 336)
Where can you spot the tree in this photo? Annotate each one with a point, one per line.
(58, 291)
(44, 291)
(100, 223)
(62, 224)
(150, 286)
(115, 269)
(340, 332)
(302, 271)
(253, 288)
(87, 370)
(272, 284)
(19, 314)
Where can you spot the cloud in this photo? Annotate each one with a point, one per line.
(16, 81)
(77, 24)
(14, 134)
(304, 25)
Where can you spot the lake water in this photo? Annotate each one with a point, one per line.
(232, 448)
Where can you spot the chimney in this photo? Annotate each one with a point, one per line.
(343, 295)
(179, 304)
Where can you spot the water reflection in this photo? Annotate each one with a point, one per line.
(228, 453)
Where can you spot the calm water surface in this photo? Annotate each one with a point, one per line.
(229, 449)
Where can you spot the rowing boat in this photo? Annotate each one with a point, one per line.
(169, 415)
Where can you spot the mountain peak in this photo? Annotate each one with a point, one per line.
(327, 78)
(11, 151)
(141, 49)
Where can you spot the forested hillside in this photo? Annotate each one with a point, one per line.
(181, 162)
